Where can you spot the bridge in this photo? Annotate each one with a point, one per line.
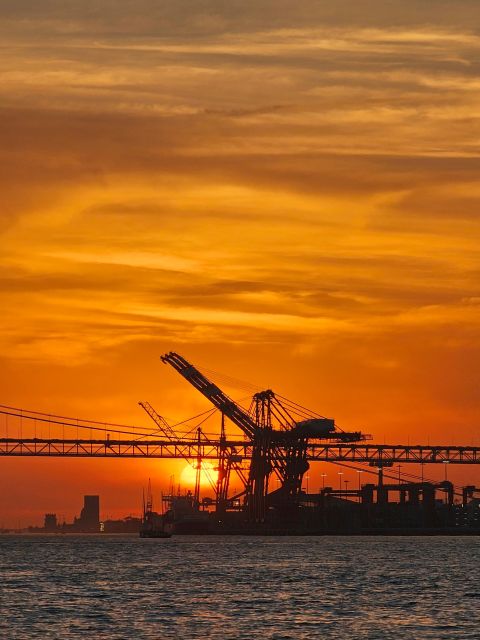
(377, 455)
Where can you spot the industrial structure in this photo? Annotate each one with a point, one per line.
(278, 431)
(279, 440)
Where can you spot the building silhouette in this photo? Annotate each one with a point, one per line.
(89, 520)
(50, 522)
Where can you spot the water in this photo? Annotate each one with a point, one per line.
(240, 588)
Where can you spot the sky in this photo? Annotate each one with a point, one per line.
(283, 192)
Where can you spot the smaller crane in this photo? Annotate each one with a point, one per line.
(170, 434)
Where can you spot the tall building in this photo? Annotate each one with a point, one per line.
(89, 520)
(50, 522)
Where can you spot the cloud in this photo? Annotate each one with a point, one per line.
(445, 202)
(124, 17)
(250, 172)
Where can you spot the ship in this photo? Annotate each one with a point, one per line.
(153, 523)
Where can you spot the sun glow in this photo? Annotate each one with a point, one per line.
(208, 475)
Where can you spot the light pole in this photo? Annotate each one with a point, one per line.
(324, 475)
(445, 462)
(307, 478)
(359, 472)
(340, 473)
(346, 484)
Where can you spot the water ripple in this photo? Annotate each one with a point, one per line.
(58, 588)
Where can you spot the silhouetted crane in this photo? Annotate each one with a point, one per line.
(279, 431)
(166, 430)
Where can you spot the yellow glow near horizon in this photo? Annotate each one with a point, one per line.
(208, 475)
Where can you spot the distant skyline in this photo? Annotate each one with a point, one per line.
(286, 193)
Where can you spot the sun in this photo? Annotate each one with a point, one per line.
(208, 475)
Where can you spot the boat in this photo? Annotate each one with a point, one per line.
(154, 533)
(152, 522)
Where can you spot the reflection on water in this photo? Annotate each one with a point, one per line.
(233, 587)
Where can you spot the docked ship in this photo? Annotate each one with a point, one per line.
(153, 523)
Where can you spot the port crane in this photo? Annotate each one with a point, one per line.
(279, 440)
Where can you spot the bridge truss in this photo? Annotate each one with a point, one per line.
(376, 455)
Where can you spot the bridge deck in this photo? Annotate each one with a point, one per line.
(321, 452)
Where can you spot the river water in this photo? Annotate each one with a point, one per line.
(237, 587)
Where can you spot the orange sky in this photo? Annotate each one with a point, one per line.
(284, 192)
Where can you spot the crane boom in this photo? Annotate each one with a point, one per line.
(210, 390)
(159, 420)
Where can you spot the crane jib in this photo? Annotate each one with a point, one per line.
(212, 392)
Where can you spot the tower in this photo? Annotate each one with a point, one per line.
(90, 515)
